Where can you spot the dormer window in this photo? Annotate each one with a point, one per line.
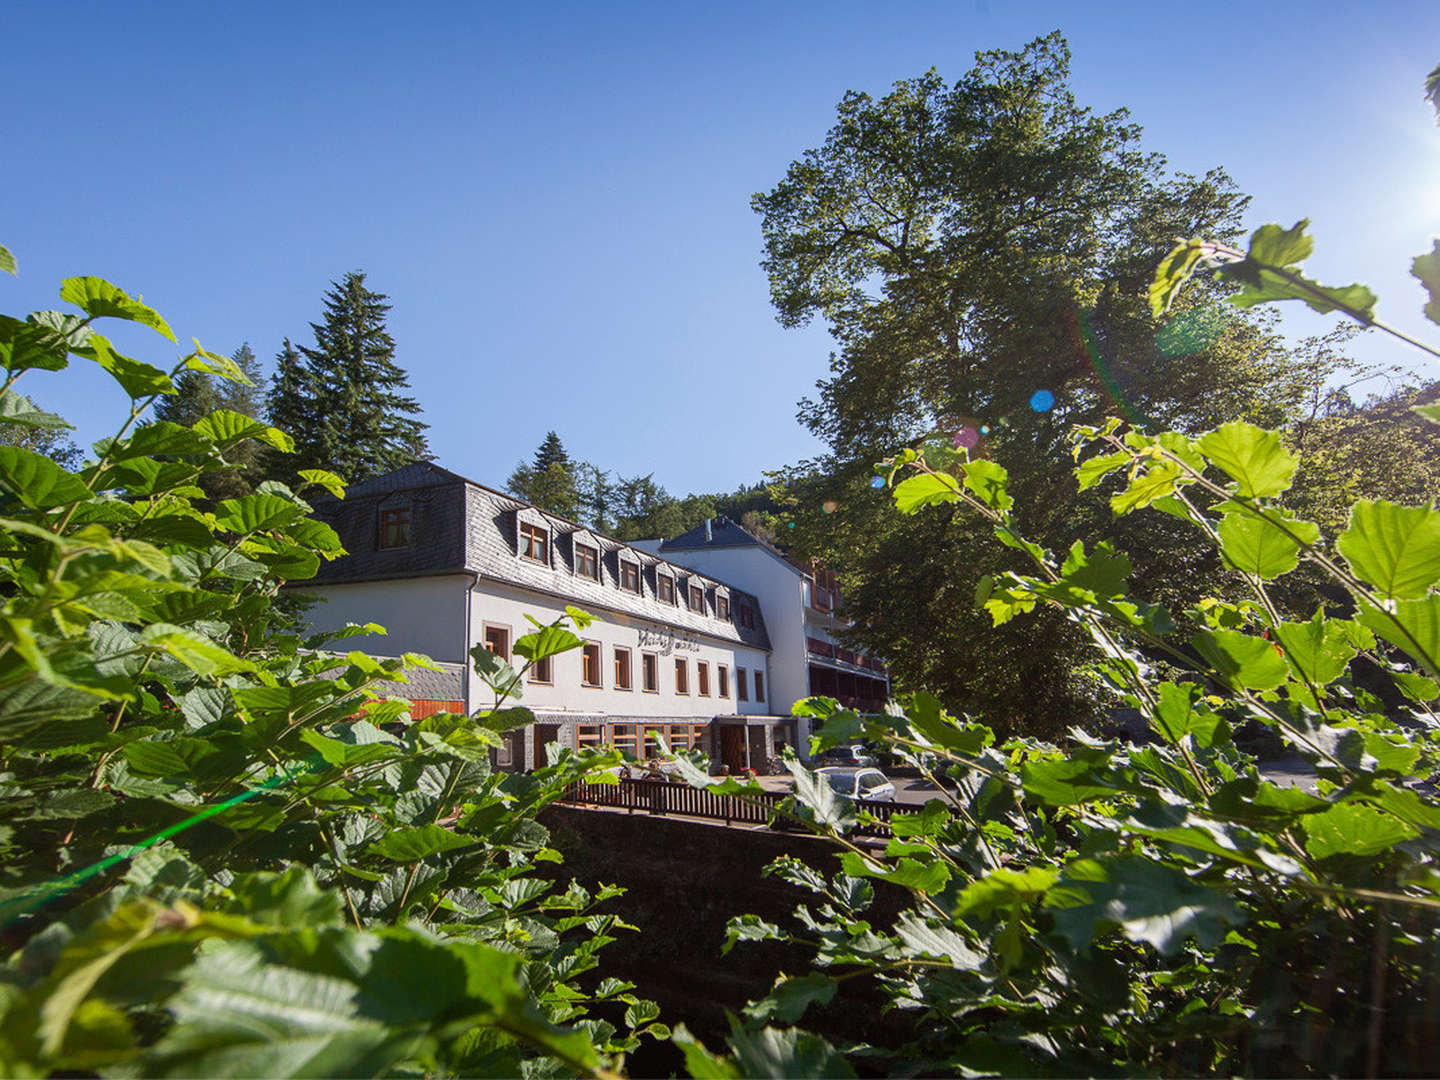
(722, 607)
(587, 562)
(534, 542)
(395, 528)
(665, 588)
(747, 616)
(697, 598)
(629, 576)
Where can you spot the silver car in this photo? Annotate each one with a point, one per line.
(865, 783)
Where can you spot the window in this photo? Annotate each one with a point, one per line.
(590, 665)
(697, 598)
(702, 678)
(742, 690)
(534, 542)
(590, 735)
(497, 640)
(542, 671)
(587, 562)
(747, 616)
(622, 737)
(622, 668)
(650, 673)
(724, 673)
(759, 685)
(682, 675)
(395, 528)
(722, 607)
(629, 576)
(665, 588)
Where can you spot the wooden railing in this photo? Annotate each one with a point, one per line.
(661, 798)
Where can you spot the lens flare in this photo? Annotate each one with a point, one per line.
(966, 437)
(877, 482)
(829, 506)
(1042, 401)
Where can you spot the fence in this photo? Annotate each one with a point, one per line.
(661, 798)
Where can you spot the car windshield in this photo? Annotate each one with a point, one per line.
(841, 782)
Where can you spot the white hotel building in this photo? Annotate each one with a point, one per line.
(678, 649)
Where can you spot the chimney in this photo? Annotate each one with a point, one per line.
(708, 537)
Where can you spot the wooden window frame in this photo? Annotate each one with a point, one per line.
(594, 558)
(532, 535)
(396, 518)
(485, 629)
(722, 607)
(628, 570)
(665, 588)
(722, 680)
(759, 687)
(585, 655)
(650, 672)
(695, 598)
(746, 615)
(702, 678)
(628, 668)
(741, 689)
(682, 676)
(542, 671)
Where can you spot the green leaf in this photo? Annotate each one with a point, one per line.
(790, 1053)
(1156, 482)
(16, 408)
(1091, 471)
(819, 802)
(1270, 272)
(215, 364)
(155, 438)
(1176, 716)
(925, 489)
(32, 703)
(499, 720)
(1149, 901)
(1002, 889)
(1255, 545)
(411, 845)
(1416, 687)
(1173, 272)
(37, 481)
(99, 299)
(1253, 457)
(1426, 269)
(1394, 548)
(1353, 829)
(137, 378)
(1318, 650)
(287, 899)
(198, 653)
(987, 482)
(547, 641)
(1251, 662)
(326, 479)
(926, 716)
(1063, 783)
(7, 261)
(790, 998)
(925, 877)
(225, 427)
(1413, 627)
(31, 346)
(700, 1063)
(256, 513)
(1102, 574)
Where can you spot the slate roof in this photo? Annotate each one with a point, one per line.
(460, 526)
(725, 533)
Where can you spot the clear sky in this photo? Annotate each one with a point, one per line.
(556, 197)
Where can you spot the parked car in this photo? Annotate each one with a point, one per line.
(866, 783)
(854, 756)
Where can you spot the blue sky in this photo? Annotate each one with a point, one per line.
(556, 197)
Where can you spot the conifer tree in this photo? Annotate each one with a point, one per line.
(291, 406)
(195, 396)
(366, 423)
(249, 400)
(549, 480)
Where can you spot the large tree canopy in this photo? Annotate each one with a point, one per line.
(980, 253)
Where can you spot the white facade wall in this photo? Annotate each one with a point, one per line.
(424, 615)
(498, 604)
(780, 589)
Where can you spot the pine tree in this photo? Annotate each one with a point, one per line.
(195, 396)
(292, 407)
(549, 480)
(366, 424)
(249, 400)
